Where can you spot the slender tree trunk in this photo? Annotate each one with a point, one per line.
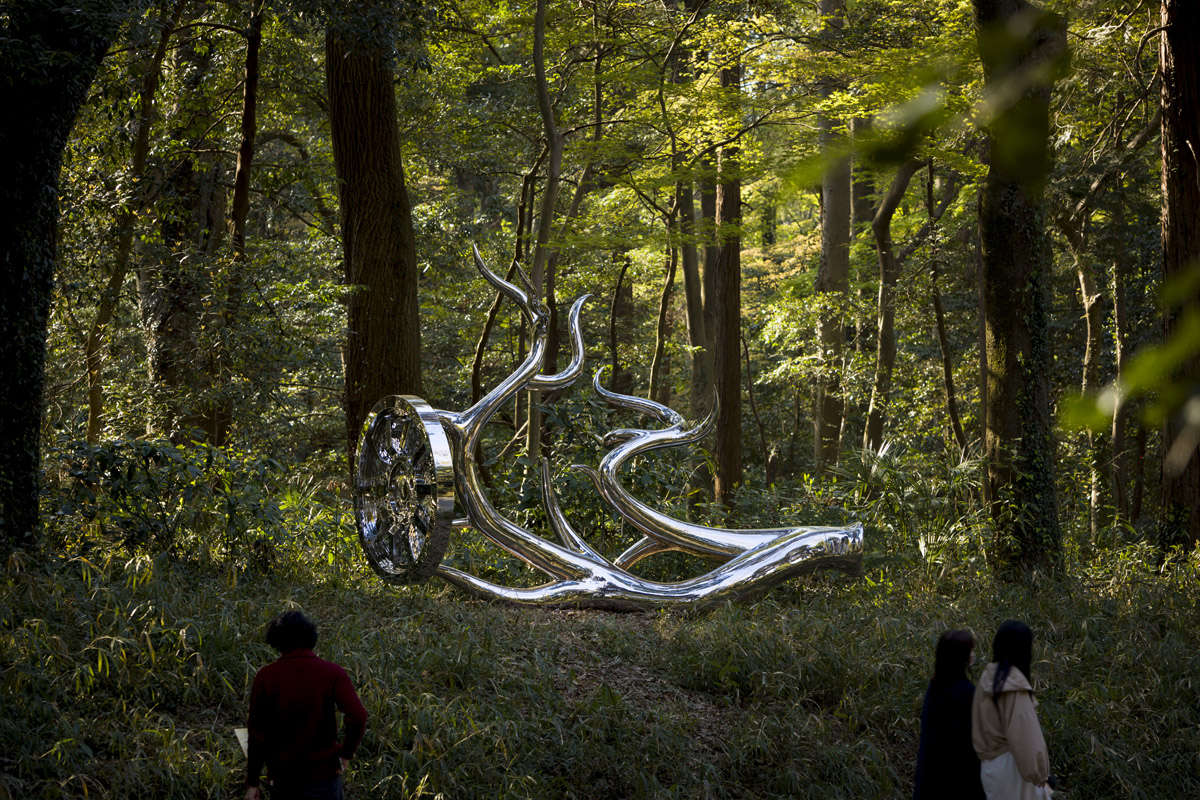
(1020, 443)
(889, 275)
(1120, 444)
(1093, 320)
(833, 277)
(728, 309)
(239, 212)
(619, 318)
(1179, 60)
(382, 354)
(862, 211)
(663, 328)
(700, 388)
(768, 465)
(554, 143)
(49, 53)
(126, 220)
(981, 346)
(939, 316)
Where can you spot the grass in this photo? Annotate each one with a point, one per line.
(125, 677)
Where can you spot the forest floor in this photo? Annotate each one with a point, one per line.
(126, 676)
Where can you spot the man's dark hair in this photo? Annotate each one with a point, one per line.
(290, 631)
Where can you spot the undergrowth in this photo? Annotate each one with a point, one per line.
(124, 676)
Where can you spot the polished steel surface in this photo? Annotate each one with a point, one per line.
(404, 489)
(410, 475)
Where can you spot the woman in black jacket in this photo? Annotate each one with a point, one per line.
(947, 766)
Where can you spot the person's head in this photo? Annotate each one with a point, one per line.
(290, 631)
(955, 652)
(1012, 647)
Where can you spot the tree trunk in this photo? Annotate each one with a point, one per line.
(239, 212)
(700, 388)
(619, 333)
(939, 316)
(1093, 321)
(554, 143)
(889, 275)
(1120, 443)
(1019, 444)
(174, 290)
(127, 218)
(382, 354)
(981, 347)
(833, 277)
(1179, 60)
(727, 362)
(660, 386)
(49, 53)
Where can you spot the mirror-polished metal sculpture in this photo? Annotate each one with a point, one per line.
(414, 461)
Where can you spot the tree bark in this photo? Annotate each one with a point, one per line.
(382, 354)
(727, 363)
(1019, 444)
(619, 318)
(175, 287)
(939, 316)
(833, 276)
(1179, 60)
(885, 332)
(554, 144)
(1120, 323)
(659, 385)
(49, 54)
(700, 388)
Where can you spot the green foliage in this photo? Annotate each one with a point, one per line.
(126, 676)
(154, 497)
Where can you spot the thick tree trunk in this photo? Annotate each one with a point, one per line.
(1180, 65)
(382, 354)
(173, 290)
(49, 53)
(1019, 444)
(727, 362)
(833, 277)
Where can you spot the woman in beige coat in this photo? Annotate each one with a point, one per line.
(1005, 731)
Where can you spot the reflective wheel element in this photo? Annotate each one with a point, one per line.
(404, 490)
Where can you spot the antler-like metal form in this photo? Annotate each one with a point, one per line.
(411, 455)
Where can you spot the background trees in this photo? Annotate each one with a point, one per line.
(221, 244)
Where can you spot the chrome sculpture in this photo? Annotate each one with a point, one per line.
(414, 461)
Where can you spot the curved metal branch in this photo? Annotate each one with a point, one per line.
(574, 369)
(677, 534)
(665, 415)
(750, 573)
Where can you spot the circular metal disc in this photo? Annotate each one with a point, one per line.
(404, 490)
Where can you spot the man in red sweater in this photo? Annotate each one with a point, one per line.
(292, 722)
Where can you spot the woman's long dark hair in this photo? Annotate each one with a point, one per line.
(1012, 647)
(953, 652)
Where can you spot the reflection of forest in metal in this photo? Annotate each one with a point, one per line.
(414, 459)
